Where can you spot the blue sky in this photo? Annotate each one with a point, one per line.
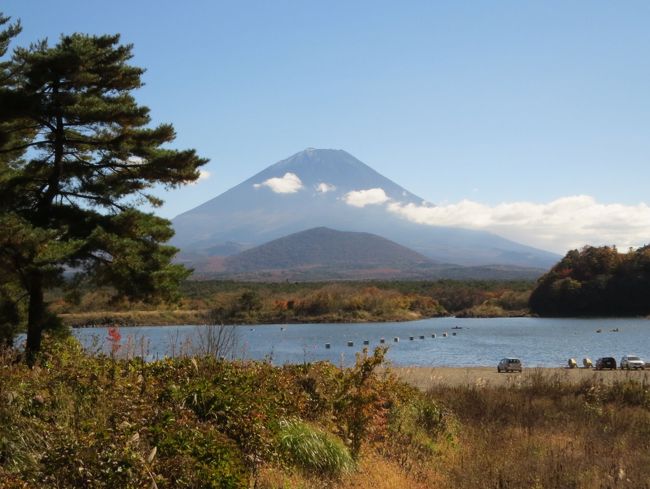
(501, 105)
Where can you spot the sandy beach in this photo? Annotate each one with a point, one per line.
(426, 377)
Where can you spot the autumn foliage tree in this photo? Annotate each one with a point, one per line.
(78, 157)
(595, 281)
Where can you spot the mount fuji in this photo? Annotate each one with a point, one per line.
(331, 188)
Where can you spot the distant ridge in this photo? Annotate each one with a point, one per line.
(326, 254)
(331, 188)
(324, 247)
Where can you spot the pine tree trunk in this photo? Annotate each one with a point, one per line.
(36, 309)
(35, 318)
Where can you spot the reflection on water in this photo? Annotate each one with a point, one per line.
(469, 342)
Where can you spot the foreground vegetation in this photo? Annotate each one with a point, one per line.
(259, 303)
(82, 421)
(549, 433)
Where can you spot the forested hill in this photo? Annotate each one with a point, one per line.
(596, 281)
(327, 247)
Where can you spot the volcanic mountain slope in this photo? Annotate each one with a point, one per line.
(331, 188)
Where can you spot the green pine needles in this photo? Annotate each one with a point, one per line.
(77, 160)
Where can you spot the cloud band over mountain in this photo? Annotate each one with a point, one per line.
(559, 225)
(562, 224)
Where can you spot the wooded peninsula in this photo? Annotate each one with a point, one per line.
(305, 302)
(595, 281)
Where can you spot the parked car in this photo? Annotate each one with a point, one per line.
(606, 362)
(632, 362)
(509, 365)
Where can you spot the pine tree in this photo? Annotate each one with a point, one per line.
(75, 172)
(9, 136)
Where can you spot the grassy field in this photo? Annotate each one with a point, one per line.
(545, 428)
(426, 378)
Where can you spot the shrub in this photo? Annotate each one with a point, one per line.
(94, 421)
(418, 428)
(314, 450)
(199, 456)
(359, 399)
(244, 402)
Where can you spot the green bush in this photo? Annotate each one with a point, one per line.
(244, 402)
(313, 450)
(198, 456)
(418, 429)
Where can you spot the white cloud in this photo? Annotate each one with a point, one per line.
(288, 184)
(323, 188)
(362, 198)
(560, 225)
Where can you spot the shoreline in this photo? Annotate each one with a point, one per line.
(425, 378)
(197, 317)
(127, 319)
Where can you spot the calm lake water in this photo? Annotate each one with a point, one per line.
(480, 342)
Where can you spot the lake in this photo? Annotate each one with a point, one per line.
(480, 342)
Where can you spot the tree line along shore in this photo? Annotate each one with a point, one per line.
(265, 303)
(593, 281)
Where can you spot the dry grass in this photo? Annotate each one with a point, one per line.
(373, 472)
(136, 318)
(425, 378)
(548, 430)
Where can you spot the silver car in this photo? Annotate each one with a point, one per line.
(509, 365)
(632, 362)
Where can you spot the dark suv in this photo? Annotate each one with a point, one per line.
(606, 362)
